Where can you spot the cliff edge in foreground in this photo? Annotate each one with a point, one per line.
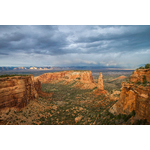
(135, 95)
(17, 91)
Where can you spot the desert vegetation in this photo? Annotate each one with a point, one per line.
(12, 75)
(70, 105)
(145, 67)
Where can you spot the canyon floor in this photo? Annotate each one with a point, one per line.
(72, 106)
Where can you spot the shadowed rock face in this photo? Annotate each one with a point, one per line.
(17, 91)
(139, 74)
(37, 85)
(134, 97)
(100, 85)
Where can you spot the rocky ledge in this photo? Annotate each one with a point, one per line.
(135, 96)
(17, 91)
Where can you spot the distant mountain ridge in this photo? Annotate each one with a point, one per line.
(56, 68)
(32, 68)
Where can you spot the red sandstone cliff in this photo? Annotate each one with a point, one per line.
(84, 78)
(134, 97)
(48, 77)
(17, 91)
(139, 74)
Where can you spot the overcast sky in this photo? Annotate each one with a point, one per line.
(110, 46)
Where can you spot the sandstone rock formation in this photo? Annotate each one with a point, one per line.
(48, 77)
(121, 77)
(112, 96)
(100, 85)
(37, 85)
(84, 78)
(139, 74)
(134, 97)
(17, 91)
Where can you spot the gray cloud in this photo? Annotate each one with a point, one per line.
(74, 45)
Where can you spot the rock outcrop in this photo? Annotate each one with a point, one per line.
(113, 96)
(134, 97)
(139, 74)
(48, 77)
(120, 77)
(17, 91)
(37, 85)
(100, 85)
(84, 78)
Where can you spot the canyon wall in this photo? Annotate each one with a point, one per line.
(134, 96)
(85, 77)
(17, 91)
(48, 77)
(139, 74)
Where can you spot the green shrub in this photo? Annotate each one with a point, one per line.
(42, 119)
(125, 117)
(6, 75)
(144, 80)
(147, 66)
(111, 116)
(138, 82)
(133, 113)
(118, 116)
(141, 67)
(141, 122)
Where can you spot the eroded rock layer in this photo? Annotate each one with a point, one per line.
(84, 78)
(139, 74)
(134, 97)
(100, 85)
(17, 91)
(48, 77)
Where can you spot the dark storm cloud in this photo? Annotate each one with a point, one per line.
(132, 38)
(32, 39)
(72, 42)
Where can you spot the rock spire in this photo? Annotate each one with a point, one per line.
(100, 85)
